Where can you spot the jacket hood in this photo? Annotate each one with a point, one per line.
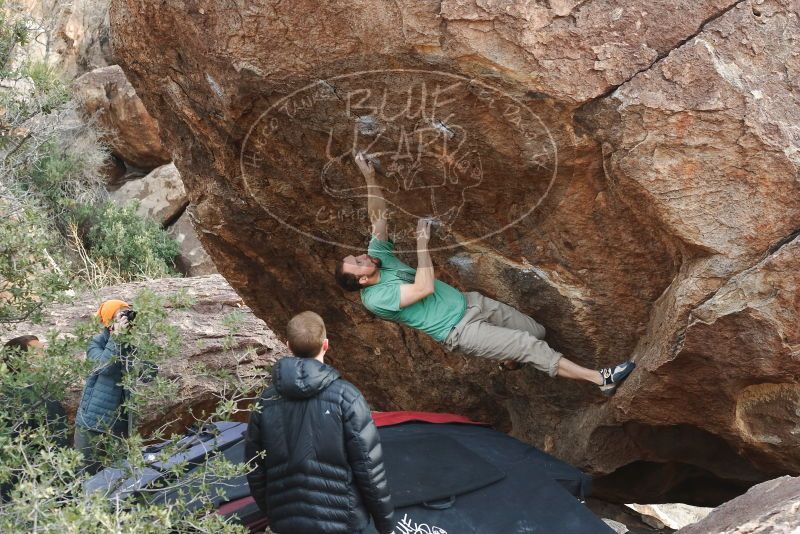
(302, 378)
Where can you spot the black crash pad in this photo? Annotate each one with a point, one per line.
(427, 468)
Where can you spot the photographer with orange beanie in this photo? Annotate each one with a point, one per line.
(101, 408)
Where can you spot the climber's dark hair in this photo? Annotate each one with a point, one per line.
(347, 281)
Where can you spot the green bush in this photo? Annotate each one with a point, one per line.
(48, 83)
(13, 33)
(31, 270)
(107, 243)
(51, 179)
(136, 246)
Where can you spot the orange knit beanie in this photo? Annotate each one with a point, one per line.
(108, 309)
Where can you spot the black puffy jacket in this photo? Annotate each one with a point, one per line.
(323, 470)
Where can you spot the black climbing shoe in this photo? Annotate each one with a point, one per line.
(613, 376)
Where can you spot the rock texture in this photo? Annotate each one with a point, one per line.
(623, 519)
(625, 172)
(202, 327)
(616, 526)
(192, 260)
(160, 194)
(670, 515)
(768, 508)
(107, 97)
(73, 36)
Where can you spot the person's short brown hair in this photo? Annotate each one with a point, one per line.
(306, 334)
(20, 342)
(347, 281)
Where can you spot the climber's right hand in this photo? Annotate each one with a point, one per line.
(365, 166)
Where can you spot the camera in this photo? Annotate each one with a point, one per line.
(128, 314)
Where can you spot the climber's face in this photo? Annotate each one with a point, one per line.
(364, 267)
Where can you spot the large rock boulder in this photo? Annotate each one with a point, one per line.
(768, 508)
(192, 259)
(624, 172)
(209, 345)
(160, 194)
(106, 96)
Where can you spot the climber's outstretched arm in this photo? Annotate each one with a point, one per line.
(376, 204)
(425, 278)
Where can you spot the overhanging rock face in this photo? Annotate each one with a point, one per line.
(625, 173)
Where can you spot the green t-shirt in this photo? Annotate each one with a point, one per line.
(435, 315)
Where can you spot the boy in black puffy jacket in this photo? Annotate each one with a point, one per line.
(322, 469)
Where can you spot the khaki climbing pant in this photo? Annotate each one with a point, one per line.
(491, 329)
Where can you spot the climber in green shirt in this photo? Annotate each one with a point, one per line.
(468, 322)
(436, 314)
